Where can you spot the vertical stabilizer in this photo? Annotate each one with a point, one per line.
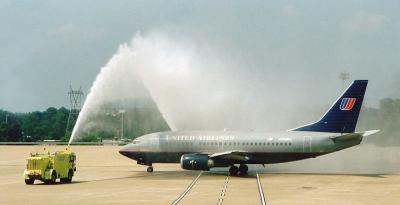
(343, 115)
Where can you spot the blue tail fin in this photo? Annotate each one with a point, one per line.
(343, 115)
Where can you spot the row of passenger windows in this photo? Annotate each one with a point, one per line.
(234, 143)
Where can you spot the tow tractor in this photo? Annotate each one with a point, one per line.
(49, 167)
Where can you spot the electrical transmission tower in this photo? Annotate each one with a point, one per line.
(75, 99)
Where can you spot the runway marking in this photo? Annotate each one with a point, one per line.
(223, 192)
(261, 191)
(187, 190)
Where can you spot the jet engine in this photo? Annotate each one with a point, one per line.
(196, 162)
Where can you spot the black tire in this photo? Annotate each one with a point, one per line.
(70, 175)
(29, 181)
(149, 169)
(233, 170)
(53, 177)
(243, 169)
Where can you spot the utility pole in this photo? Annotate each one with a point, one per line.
(344, 76)
(122, 123)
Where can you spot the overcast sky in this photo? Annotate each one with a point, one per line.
(46, 46)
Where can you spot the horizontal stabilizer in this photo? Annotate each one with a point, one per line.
(353, 136)
(369, 132)
(347, 137)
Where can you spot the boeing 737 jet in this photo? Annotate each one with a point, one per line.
(202, 150)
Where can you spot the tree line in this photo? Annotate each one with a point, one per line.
(51, 124)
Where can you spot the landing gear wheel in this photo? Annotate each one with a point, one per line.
(149, 169)
(233, 170)
(243, 169)
(29, 181)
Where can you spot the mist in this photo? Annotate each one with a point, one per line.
(188, 80)
(365, 158)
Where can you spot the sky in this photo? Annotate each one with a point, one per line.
(296, 47)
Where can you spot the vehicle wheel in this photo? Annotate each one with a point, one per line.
(233, 170)
(53, 177)
(243, 169)
(69, 179)
(29, 181)
(149, 169)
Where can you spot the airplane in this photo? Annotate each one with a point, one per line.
(203, 150)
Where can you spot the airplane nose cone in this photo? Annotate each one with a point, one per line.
(125, 150)
(131, 151)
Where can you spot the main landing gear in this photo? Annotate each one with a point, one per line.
(150, 169)
(242, 170)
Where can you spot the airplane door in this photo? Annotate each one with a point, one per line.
(307, 144)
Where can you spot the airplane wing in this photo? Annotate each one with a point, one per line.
(231, 155)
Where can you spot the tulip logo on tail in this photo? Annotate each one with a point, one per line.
(347, 103)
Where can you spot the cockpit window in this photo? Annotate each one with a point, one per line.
(135, 141)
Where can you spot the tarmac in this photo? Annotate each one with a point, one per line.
(105, 177)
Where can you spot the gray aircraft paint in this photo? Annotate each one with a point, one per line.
(170, 145)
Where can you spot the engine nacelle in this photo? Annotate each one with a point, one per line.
(196, 162)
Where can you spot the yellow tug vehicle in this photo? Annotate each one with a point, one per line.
(48, 167)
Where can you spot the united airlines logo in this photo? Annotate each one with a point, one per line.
(347, 103)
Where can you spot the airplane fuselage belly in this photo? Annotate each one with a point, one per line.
(256, 158)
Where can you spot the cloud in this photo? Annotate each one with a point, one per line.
(363, 22)
(71, 33)
(289, 10)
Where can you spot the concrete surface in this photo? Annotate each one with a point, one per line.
(105, 177)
